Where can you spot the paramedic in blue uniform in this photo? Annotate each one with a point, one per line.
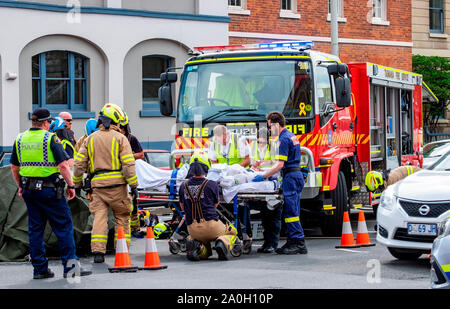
(37, 163)
(288, 162)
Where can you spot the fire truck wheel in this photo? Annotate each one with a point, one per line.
(332, 224)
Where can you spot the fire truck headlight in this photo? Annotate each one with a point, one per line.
(388, 200)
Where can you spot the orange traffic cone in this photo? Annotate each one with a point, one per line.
(362, 238)
(151, 253)
(347, 240)
(122, 261)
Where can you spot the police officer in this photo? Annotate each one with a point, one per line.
(37, 163)
(107, 155)
(288, 161)
(381, 180)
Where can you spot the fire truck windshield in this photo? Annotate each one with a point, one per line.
(234, 91)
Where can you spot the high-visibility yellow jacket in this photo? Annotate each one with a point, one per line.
(107, 155)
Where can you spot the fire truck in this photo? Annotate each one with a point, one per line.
(349, 118)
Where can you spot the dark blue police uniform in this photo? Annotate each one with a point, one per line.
(43, 206)
(292, 184)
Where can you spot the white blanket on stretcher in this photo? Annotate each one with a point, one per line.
(232, 179)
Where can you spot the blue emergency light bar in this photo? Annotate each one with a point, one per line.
(301, 45)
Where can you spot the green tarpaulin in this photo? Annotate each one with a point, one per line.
(14, 223)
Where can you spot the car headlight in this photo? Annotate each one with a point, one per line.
(388, 199)
(444, 228)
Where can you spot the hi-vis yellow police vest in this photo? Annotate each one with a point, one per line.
(233, 156)
(34, 154)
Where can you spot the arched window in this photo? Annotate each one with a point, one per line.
(152, 67)
(59, 81)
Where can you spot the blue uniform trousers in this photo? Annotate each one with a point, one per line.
(292, 186)
(42, 207)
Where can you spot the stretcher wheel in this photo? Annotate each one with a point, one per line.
(182, 242)
(174, 246)
(247, 247)
(237, 250)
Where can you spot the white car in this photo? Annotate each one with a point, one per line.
(433, 151)
(410, 210)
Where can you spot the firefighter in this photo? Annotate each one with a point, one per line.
(288, 162)
(90, 127)
(138, 153)
(230, 148)
(199, 199)
(37, 163)
(59, 127)
(68, 120)
(381, 180)
(108, 156)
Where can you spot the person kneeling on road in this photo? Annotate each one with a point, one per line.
(381, 180)
(199, 198)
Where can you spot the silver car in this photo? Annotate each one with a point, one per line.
(440, 257)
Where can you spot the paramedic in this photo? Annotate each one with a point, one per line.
(108, 157)
(270, 218)
(230, 148)
(199, 198)
(376, 180)
(37, 163)
(67, 117)
(288, 161)
(59, 127)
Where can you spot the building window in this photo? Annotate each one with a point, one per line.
(59, 81)
(289, 9)
(236, 3)
(437, 16)
(152, 67)
(340, 11)
(379, 12)
(238, 7)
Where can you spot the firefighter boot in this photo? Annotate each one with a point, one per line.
(192, 250)
(44, 275)
(293, 247)
(99, 257)
(221, 250)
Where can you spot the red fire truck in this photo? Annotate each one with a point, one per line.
(349, 119)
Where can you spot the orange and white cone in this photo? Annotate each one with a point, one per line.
(152, 261)
(362, 237)
(347, 240)
(122, 261)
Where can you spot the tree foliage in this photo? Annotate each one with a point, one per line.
(436, 74)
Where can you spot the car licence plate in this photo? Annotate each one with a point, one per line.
(422, 229)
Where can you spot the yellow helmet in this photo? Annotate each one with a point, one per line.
(158, 229)
(373, 180)
(113, 112)
(124, 122)
(202, 157)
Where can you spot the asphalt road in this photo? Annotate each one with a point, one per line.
(324, 267)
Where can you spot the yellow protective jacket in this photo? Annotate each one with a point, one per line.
(107, 155)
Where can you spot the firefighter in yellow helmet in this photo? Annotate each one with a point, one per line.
(107, 156)
(381, 180)
(199, 198)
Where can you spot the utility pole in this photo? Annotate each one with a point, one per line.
(334, 27)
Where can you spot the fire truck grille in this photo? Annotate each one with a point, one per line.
(436, 209)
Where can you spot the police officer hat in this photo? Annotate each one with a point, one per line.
(41, 114)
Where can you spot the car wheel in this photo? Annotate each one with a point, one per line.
(405, 254)
(332, 224)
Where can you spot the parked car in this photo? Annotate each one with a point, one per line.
(158, 158)
(5, 158)
(411, 209)
(440, 257)
(433, 151)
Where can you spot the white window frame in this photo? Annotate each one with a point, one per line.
(292, 13)
(341, 17)
(239, 9)
(380, 20)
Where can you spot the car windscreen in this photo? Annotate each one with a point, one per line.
(443, 164)
(437, 151)
(158, 159)
(244, 90)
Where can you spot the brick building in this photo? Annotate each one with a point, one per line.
(377, 31)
